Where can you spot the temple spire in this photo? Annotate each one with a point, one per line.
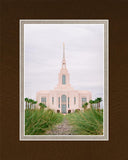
(63, 50)
(63, 60)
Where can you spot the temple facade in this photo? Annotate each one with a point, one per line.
(63, 98)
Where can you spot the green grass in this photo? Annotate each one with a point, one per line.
(37, 122)
(89, 122)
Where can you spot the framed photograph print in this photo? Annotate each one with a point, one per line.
(64, 80)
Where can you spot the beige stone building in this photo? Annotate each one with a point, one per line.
(63, 97)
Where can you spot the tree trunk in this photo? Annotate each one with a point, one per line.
(99, 106)
(26, 104)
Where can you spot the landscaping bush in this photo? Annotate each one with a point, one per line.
(38, 121)
(69, 111)
(77, 110)
(58, 111)
(50, 111)
(89, 122)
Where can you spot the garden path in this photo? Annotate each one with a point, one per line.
(64, 128)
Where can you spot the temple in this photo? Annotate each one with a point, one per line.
(63, 98)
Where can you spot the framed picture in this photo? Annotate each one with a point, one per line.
(64, 80)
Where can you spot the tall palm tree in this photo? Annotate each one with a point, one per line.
(35, 102)
(96, 102)
(26, 101)
(30, 102)
(91, 102)
(42, 106)
(85, 105)
(99, 100)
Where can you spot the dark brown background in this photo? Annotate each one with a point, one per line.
(11, 12)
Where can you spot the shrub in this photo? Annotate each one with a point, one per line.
(38, 121)
(58, 111)
(89, 122)
(69, 111)
(85, 105)
(77, 110)
(50, 111)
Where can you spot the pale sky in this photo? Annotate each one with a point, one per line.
(84, 52)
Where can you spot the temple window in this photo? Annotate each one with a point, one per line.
(63, 99)
(68, 102)
(58, 102)
(74, 100)
(52, 100)
(84, 100)
(63, 79)
(43, 100)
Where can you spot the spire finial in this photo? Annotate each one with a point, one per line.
(63, 50)
(63, 60)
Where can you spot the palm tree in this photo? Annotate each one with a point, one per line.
(96, 102)
(85, 105)
(26, 100)
(30, 102)
(42, 106)
(35, 102)
(91, 102)
(99, 100)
